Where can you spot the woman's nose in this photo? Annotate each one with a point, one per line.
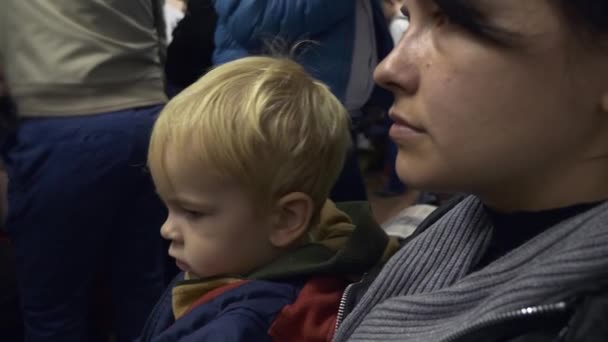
(398, 72)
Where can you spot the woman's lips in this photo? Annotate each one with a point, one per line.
(402, 129)
(402, 121)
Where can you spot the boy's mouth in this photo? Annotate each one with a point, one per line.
(182, 265)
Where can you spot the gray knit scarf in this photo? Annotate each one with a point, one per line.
(427, 293)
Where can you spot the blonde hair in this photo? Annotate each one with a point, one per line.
(262, 122)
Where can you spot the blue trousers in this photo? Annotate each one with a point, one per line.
(82, 204)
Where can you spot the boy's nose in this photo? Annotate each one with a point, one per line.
(168, 230)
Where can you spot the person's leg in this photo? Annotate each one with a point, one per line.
(350, 185)
(393, 186)
(58, 215)
(137, 253)
(66, 188)
(394, 183)
(137, 266)
(11, 326)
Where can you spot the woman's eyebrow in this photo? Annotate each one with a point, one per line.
(473, 16)
(462, 11)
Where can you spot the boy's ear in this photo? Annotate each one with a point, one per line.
(293, 219)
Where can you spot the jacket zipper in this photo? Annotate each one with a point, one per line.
(525, 313)
(342, 307)
(344, 301)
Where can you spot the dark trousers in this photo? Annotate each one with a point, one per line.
(11, 328)
(393, 183)
(80, 203)
(350, 185)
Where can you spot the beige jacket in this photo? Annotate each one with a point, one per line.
(80, 57)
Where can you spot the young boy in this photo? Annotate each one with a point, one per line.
(244, 159)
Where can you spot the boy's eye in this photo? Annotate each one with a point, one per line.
(192, 214)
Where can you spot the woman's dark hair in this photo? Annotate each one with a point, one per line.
(588, 15)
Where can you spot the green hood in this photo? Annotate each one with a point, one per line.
(348, 241)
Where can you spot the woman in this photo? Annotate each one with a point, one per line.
(508, 101)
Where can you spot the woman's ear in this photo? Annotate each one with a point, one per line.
(293, 219)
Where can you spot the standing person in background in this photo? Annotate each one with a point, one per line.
(350, 37)
(86, 77)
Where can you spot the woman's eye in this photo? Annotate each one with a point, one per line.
(404, 17)
(405, 12)
(441, 19)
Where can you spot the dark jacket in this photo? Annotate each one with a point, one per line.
(189, 55)
(295, 298)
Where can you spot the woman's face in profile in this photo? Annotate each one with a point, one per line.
(503, 103)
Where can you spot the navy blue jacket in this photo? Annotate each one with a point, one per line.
(241, 314)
